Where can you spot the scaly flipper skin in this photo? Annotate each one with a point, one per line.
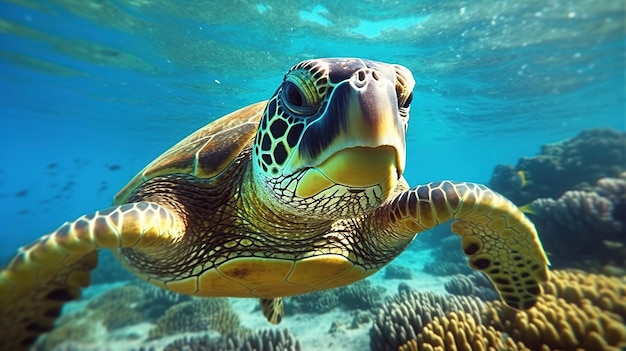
(52, 270)
(273, 309)
(496, 236)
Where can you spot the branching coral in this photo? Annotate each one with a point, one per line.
(69, 328)
(593, 221)
(580, 211)
(265, 340)
(577, 311)
(475, 283)
(128, 305)
(402, 317)
(396, 271)
(608, 293)
(199, 314)
(358, 296)
(156, 301)
(459, 331)
(448, 259)
(316, 302)
(568, 165)
(460, 285)
(556, 324)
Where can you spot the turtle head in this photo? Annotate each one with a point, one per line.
(331, 142)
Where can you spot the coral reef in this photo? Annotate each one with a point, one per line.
(571, 164)
(577, 190)
(119, 307)
(315, 302)
(461, 285)
(473, 284)
(459, 331)
(110, 310)
(403, 316)
(69, 328)
(110, 270)
(359, 296)
(264, 340)
(608, 293)
(593, 221)
(445, 268)
(396, 271)
(156, 301)
(448, 259)
(199, 314)
(577, 311)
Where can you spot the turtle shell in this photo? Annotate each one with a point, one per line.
(206, 152)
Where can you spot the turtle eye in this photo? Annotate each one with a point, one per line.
(299, 95)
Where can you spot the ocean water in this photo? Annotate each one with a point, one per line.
(91, 91)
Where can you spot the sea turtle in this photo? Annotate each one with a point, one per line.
(299, 193)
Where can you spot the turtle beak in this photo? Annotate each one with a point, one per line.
(364, 143)
(373, 114)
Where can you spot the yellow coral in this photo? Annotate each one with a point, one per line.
(459, 331)
(608, 293)
(578, 311)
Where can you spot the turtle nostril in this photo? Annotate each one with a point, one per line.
(361, 76)
(375, 75)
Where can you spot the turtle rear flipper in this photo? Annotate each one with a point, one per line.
(273, 309)
(52, 270)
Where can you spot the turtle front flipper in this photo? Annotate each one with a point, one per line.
(51, 271)
(496, 236)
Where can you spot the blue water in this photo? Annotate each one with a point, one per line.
(87, 87)
(92, 91)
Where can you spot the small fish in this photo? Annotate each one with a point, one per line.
(612, 244)
(524, 179)
(528, 208)
(114, 167)
(21, 193)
